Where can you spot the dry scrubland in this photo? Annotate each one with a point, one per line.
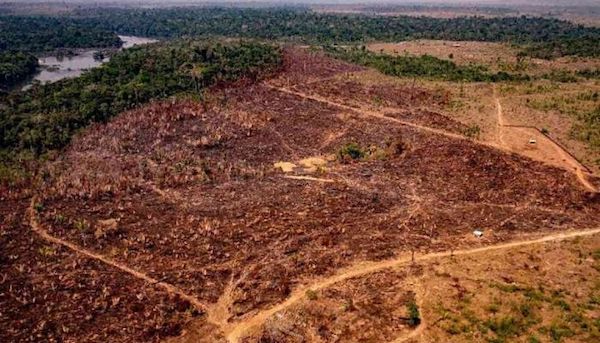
(556, 108)
(188, 229)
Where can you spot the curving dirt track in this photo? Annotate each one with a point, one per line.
(37, 228)
(544, 149)
(236, 332)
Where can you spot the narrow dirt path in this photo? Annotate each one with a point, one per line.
(500, 115)
(368, 113)
(565, 160)
(237, 331)
(571, 165)
(173, 290)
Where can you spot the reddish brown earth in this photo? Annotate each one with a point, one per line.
(187, 194)
(49, 293)
(368, 309)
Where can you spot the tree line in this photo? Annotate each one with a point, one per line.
(542, 37)
(45, 117)
(424, 66)
(23, 37)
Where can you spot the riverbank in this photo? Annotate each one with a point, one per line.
(56, 67)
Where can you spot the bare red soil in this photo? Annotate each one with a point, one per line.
(187, 194)
(49, 293)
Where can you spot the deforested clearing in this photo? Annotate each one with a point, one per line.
(180, 223)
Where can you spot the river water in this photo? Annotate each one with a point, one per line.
(53, 68)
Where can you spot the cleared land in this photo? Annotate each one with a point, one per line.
(542, 108)
(251, 216)
(495, 56)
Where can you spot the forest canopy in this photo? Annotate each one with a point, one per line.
(545, 37)
(42, 34)
(15, 66)
(45, 117)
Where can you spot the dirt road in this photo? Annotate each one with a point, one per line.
(38, 229)
(531, 142)
(545, 149)
(237, 331)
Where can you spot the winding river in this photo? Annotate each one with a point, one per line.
(54, 68)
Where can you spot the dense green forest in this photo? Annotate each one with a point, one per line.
(15, 66)
(40, 34)
(546, 37)
(541, 37)
(21, 37)
(421, 66)
(45, 117)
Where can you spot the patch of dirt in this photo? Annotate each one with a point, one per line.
(316, 163)
(431, 119)
(358, 95)
(286, 167)
(308, 67)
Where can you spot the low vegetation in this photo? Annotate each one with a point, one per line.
(584, 107)
(414, 316)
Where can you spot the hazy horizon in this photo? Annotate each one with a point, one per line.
(328, 2)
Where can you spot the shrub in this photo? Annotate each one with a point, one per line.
(350, 151)
(82, 225)
(559, 331)
(504, 326)
(472, 131)
(38, 207)
(414, 317)
(46, 250)
(311, 295)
